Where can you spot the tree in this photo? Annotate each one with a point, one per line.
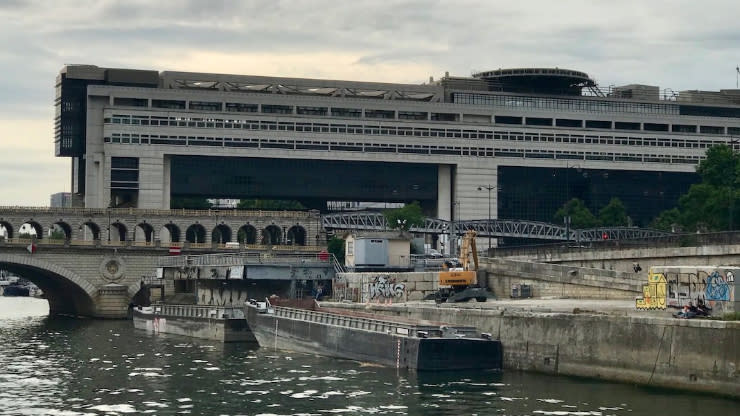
(580, 216)
(270, 204)
(666, 220)
(57, 235)
(405, 217)
(720, 167)
(335, 246)
(613, 214)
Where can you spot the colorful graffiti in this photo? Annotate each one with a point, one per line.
(653, 293)
(385, 287)
(717, 287)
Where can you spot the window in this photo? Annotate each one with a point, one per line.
(242, 108)
(205, 106)
(508, 120)
(537, 121)
(565, 122)
(444, 117)
(683, 128)
(380, 114)
(655, 127)
(598, 124)
(712, 130)
(131, 102)
(412, 115)
(173, 104)
(311, 111)
(277, 109)
(346, 112)
(624, 125)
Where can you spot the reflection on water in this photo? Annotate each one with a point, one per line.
(91, 367)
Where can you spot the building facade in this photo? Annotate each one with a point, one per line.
(508, 143)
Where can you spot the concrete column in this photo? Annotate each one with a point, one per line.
(151, 182)
(112, 301)
(444, 191)
(166, 182)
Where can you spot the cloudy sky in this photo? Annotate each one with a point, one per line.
(674, 44)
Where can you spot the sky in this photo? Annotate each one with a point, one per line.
(681, 45)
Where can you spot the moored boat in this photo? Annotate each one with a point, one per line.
(217, 323)
(306, 327)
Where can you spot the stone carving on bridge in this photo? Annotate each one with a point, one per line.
(112, 268)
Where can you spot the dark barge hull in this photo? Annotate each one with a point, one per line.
(371, 340)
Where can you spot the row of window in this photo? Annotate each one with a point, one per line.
(221, 123)
(290, 144)
(566, 104)
(419, 132)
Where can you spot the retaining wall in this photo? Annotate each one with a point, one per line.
(696, 355)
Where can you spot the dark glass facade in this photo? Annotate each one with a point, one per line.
(537, 193)
(313, 182)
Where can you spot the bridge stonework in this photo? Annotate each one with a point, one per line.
(140, 225)
(89, 281)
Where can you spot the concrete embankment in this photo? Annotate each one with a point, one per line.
(696, 355)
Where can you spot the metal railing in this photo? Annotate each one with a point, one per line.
(198, 311)
(237, 259)
(139, 212)
(367, 324)
(665, 241)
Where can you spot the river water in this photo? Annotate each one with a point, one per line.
(63, 366)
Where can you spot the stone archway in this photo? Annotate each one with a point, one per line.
(89, 231)
(171, 231)
(63, 227)
(144, 230)
(272, 235)
(221, 234)
(118, 231)
(296, 236)
(8, 233)
(32, 228)
(67, 292)
(196, 233)
(247, 234)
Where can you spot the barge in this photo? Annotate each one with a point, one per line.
(305, 327)
(217, 323)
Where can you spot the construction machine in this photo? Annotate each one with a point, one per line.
(459, 283)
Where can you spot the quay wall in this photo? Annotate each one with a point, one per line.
(695, 355)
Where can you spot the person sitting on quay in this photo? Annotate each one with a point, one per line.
(688, 311)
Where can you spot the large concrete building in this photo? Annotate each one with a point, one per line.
(517, 142)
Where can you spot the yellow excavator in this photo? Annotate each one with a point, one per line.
(460, 284)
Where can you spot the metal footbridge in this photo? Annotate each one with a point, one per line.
(375, 221)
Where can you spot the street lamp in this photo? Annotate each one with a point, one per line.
(489, 188)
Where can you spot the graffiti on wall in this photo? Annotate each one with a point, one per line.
(717, 287)
(220, 295)
(653, 293)
(384, 287)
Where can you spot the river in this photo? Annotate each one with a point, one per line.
(69, 367)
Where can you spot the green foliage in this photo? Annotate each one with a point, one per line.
(580, 216)
(720, 167)
(190, 203)
(666, 220)
(270, 204)
(336, 247)
(711, 205)
(613, 214)
(57, 235)
(405, 217)
(26, 235)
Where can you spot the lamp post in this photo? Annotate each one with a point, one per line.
(489, 188)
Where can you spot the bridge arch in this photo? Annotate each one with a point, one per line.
(89, 229)
(8, 229)
(247, 234)
(118, 231)
(196, 233)
(66, 291)
(170, 233)
(144, 229)
(296, 236)
(36, 228)
(271, 235)
(221, 234)
(66, 229)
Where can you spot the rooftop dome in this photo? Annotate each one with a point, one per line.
(551, 81)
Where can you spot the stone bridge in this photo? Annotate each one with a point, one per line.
(101, 281)
(147, 227)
